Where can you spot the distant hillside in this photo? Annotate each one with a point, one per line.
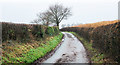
(103, 23)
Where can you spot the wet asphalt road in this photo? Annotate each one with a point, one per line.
(71, 51)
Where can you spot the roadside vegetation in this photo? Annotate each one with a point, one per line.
(104, 37)
(93, 54)
(28, 53)
(27, 43)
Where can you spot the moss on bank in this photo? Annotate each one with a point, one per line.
(28, 53)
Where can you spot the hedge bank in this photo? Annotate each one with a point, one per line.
(26, 32)
(25, 43)
(104, 38)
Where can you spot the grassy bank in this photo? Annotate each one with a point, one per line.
(94, 55)
(29, 52)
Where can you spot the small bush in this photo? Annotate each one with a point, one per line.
(56, 30)
(50, 31)
(38, 31)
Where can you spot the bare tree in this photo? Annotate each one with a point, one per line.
(58, 13)
(55, 14)
(44, 18)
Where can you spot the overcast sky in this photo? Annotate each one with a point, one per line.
(83, 11)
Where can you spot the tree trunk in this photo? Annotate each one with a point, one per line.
(57, 24)
(57, 21)
(47, 23)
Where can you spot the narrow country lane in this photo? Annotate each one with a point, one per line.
(71, 51)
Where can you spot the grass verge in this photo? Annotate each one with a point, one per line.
(28, 53)
(93, 54)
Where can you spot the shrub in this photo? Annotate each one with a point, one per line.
(50, 31)
(56, 30)
(38, 31)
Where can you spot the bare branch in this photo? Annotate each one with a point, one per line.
(55, 14)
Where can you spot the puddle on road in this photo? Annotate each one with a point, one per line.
(69, 35)
(71, 51)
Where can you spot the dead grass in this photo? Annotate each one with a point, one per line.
(16, 49)
(103, 23)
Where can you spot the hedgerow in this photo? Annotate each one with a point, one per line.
(104, 38)
(26, 32)
(25, 43)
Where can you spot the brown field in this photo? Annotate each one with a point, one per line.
(103, 23)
